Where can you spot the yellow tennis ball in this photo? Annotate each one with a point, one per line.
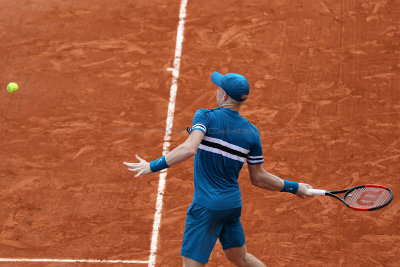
(12, 87)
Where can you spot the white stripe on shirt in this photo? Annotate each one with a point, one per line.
(226, 144)
(254, 157)
(201, 126)
(255, 161)
(221, 152)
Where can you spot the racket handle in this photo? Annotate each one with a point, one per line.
(317, 192)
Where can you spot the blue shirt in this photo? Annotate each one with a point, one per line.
(229, 141)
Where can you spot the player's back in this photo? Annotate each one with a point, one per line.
(229, 141)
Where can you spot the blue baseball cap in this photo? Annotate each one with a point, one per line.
(235, 85)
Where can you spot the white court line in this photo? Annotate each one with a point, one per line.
(71, 260)
(168, 130)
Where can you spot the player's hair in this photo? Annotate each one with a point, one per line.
(244, 97)
(233, 102)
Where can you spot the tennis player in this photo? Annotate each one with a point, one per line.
(221, 141)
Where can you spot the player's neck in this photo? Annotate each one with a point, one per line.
(231, 106)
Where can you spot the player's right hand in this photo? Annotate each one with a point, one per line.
(303, 190)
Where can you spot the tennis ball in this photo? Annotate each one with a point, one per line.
(12, 87)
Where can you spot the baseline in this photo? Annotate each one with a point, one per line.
(72, 261)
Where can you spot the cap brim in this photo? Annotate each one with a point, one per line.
(217, 78)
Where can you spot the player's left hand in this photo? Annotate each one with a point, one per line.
(142, 167)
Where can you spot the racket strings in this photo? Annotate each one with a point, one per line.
(368, 197)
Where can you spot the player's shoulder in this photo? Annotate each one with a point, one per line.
(250, 125)
(253, 127)
(204, 111)
(208, 110)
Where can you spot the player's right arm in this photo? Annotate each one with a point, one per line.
(261, 178)
(185, 150)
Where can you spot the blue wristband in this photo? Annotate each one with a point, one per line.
(290, 187)
(158, 164)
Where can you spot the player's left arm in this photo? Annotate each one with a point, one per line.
(181, 153)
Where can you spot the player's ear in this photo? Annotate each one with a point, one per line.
(225, 96)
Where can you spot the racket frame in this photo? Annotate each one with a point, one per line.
(348, 191)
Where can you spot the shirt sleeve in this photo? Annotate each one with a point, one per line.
(255, 156)
(201, 120)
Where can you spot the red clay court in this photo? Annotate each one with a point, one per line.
(95, 90)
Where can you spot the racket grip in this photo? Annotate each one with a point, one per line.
(317, 192)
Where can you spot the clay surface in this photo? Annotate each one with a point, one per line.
(94, 91)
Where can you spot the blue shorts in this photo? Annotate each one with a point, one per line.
(204, 226)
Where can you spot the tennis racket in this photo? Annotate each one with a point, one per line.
(363, 197)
